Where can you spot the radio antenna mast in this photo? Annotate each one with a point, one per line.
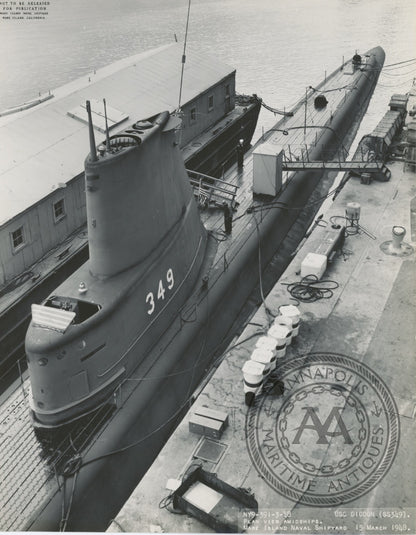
(93, 150)
(107, 135)
(184, 55)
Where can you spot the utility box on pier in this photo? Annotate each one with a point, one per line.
(267, 169)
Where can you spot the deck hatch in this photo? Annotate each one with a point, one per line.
(114, 116)
(210, 451)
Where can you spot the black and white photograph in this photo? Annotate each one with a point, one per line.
(207, 266)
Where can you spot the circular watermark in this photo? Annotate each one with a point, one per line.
(331, 437)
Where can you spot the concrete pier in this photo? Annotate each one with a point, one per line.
(347, 466)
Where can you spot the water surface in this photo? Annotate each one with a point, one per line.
(278, 47)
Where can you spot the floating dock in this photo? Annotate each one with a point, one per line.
(355, 348)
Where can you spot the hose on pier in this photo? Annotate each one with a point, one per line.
(311, 289)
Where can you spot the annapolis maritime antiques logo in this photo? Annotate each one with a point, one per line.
(331, 437)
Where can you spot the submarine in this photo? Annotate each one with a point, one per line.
(116, 352)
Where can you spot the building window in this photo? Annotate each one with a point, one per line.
(59, 210)
(193, 115)
(18, 238)
(227, 98)
(210, 102)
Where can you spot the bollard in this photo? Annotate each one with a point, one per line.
(281, 334)
(398, 234)
(253, 380)
(292, 311)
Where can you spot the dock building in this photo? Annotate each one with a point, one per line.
(44, 141)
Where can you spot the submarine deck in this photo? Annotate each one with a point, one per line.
(370, 317)
(21, 448)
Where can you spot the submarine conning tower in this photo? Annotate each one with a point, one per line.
(147, 245)
(134, 194)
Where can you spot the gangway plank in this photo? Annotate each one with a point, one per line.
(373, 167)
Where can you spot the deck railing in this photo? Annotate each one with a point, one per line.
(208, 189)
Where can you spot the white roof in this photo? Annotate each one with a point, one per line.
(268, 148)
(43, 147)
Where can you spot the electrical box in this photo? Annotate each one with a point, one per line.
(313, 264)
(208, 422)
(267, 169)
(333, 239)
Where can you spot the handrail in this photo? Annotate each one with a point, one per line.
(197, 174)
(212, 187)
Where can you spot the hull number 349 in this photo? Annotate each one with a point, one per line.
(161, 290)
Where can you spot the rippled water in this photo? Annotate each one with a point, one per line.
(278, 47)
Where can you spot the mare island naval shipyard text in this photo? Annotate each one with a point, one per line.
(352, 520)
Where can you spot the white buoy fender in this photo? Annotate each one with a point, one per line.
(281, 334)
(266, 357)
(253, 379)
(293, 312)
(287, 321)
